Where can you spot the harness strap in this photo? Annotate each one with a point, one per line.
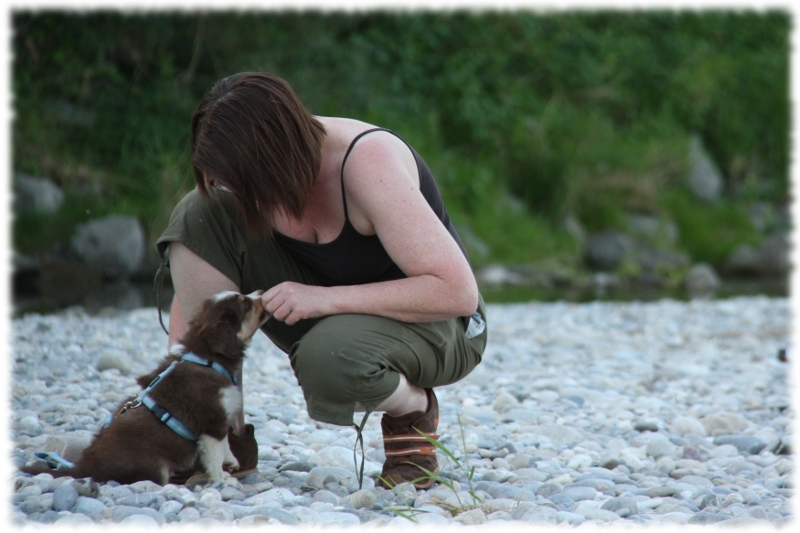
(192, 358)
(158, 378)
(164, 416)
(144, 398)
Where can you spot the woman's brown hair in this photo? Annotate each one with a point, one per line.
(252, 134)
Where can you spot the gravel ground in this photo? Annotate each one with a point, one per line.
(658, 413)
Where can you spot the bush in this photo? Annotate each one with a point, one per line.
(579, 113)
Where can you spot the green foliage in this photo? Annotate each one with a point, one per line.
(37, 232)
(709, 233)
(580, 113)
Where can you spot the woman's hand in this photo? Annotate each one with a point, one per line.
(291, 302)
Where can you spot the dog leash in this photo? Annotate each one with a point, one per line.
(158, 283)
(53, 460)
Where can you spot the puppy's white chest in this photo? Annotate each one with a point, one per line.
(231, 400)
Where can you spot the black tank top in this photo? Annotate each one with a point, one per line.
(353, 258)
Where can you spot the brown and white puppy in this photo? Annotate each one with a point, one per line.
(137, 446)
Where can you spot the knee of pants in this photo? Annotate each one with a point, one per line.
(327, 369)
(341, 366)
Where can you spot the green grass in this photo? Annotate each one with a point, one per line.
(457, 466)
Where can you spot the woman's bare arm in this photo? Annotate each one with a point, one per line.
(194, 280)
(383, 196)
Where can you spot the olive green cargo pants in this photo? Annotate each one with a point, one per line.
(341, 359)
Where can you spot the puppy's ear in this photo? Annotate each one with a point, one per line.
(223, 340)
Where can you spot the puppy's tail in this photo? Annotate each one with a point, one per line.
(41, 468)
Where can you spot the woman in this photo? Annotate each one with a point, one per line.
(341, 223)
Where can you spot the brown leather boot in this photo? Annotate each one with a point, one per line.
(245, 449)
(406, 450)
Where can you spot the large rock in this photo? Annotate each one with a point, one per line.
(116, 244)
(704, 178)
(605, 251)
(702, 280)
(774, 254)
(744, 260)
(36, 195)
(659, 261)
(653, 227)
(769, 259)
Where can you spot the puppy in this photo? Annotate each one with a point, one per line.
(194, 403)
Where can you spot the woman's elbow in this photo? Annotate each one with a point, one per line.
(468, 297)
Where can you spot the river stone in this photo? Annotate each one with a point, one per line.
(64, 497)
(702, 280)
(724, 423)
(140, 520)
(559, 434)
(74, 520)
(362, 499)
(339, 456)
(278, 494)
(114, 359)
(571, 518)
(744, 260)
(626, 504)
(562, 501)
(686, 425)
(170, 507)
(319, 475)
(548, 489)
(659, 446)
(540, 514)
(338, 519)
(284, 517)
(88, 506)
(503, 490)
(121, 512)
(579, 493)
(774, 254)
(36, 195)
(145, 487)
(116, 244)
(605, 250)
(743, 443)
(703, 518)
(503, 402)
(472, 517)
(646, 425)
(326, 496)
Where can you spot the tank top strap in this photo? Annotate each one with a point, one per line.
(347, 154)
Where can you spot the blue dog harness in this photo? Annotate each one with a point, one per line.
(144, 398)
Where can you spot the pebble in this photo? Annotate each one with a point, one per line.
(64, 498)
(600, 413)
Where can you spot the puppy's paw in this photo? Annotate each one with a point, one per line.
(231, 466)
(217, 474)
